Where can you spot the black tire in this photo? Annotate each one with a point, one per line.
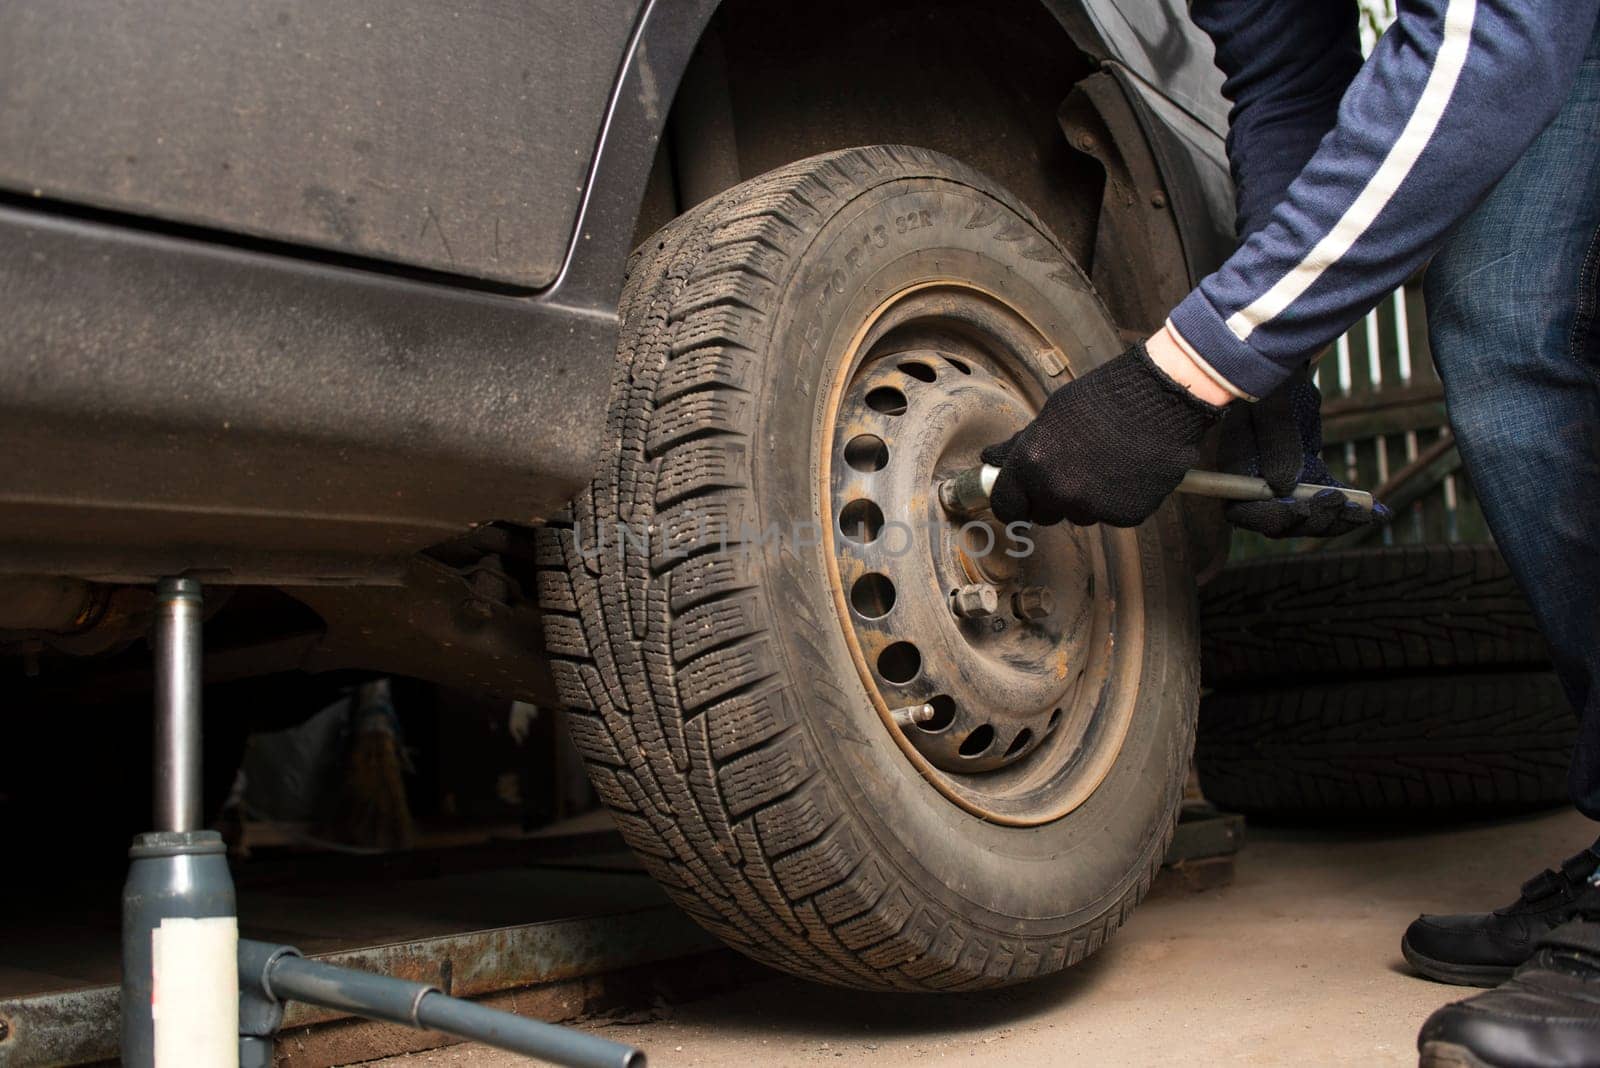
(1469, 743)
(1332, 615)
(714, 697)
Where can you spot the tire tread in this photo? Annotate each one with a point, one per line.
(1469, 742)
(1399, 608)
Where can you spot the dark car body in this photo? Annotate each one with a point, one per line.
(294, 291)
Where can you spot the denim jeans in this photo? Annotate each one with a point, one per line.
(1512, 308)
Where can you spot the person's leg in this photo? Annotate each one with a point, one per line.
(1513, 302)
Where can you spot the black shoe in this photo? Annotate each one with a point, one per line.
(1484, 948)
(1547, 1015)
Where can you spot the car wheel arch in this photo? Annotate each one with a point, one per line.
(720, 129)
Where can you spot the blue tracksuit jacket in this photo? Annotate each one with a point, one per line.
(1349, 176)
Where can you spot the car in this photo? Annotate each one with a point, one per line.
(609, 354)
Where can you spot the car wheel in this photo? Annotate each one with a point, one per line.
(822, 755)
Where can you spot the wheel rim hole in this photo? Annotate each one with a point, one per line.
(944, 714)
(1020, 742)
(958, 365)
(978, 742)
(866, 453)
(920, 371)
(1055, 717)
(900, 663)
(861, 520)
(872, 595)
(887, 400)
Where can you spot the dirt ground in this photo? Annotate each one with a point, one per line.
(1297, 962)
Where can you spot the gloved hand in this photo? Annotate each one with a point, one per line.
(1107, 448)
(1279, 438)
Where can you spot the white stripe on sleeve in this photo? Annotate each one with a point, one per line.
(1381, 187)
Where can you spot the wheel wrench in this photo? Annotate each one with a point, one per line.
(967, 494)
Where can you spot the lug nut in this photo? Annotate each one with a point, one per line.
(1033, 603)
(966, 496)
(975, 601)
(911, 715)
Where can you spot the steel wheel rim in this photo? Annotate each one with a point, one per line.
(938, 370)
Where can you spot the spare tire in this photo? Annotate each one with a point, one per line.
(1385, 680)
(1309, 616)
(1464, 744)
(818, 759)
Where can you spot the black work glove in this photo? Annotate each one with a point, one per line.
(1279, 438)
(1107, 448)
